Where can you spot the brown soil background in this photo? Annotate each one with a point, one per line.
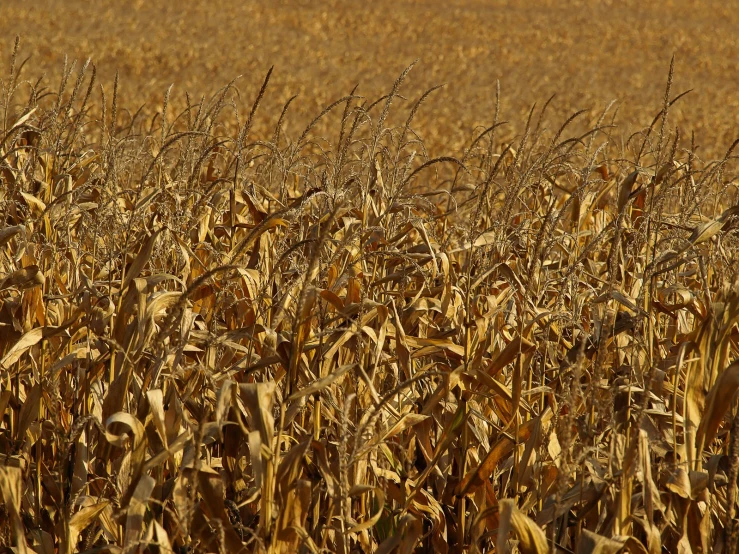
(587, 53)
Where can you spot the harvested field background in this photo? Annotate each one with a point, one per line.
(374, 319)
(587, 53)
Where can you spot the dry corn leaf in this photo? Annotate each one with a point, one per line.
(531, 539)
(11, 481)
(142, 258)
(321, 384)
(379, 501)
(25, 278)
(258, 399)
(31, 338)
(518, 346)
(155, 398)
(717, 403)
(592, 543)
(210, 487)
(625, 189)
(81, 521)
(405, 422)
(29, 412)
(503, 446)
(7, 233)
(705, 232)
(36, 205)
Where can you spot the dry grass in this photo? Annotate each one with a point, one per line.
(216, 339)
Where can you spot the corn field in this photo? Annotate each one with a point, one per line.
(218, 340)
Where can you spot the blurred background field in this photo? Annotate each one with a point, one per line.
(586, 52)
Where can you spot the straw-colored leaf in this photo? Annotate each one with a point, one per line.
(11, 481)
(81, 520)
(531, 539)
(705, 232)
(717, 403)
(142, 258)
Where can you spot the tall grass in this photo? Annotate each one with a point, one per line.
(217, 341)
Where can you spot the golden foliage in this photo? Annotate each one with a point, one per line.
(257, 343)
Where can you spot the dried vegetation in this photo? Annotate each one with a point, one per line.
(212, 341)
